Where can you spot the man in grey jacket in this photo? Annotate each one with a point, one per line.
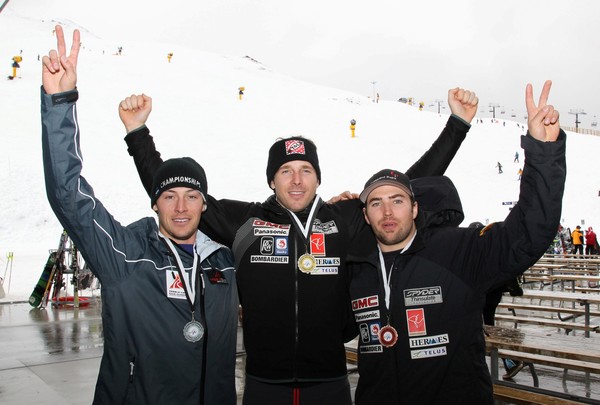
(169, 296)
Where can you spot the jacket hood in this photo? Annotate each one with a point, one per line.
(439, 202)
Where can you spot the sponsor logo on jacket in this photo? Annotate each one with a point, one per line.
(364, 316)
(175, 288)
(415, 321)
(327, 228)
(426, 341)
(317, 244)
(369, 332)
(261, 227)
(370, 349)
(423, 296)
(426, 353)
(365, 302)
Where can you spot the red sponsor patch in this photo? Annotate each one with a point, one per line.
(294, 147)
(366, 302)
(415, 320)
(317, 244)
(266, 224)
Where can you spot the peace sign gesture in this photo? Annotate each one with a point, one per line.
(542, 120)
(59, 71)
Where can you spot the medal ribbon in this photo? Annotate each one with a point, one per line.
(305, 230)
(387, 277)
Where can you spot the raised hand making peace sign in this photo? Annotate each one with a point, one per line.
(542, 120)
(59, 71)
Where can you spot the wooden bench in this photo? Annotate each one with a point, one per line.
(517, 395)
(534, 347)
(559, 311)
(351, 355)
(574, 298)
(568, 326)
(587, 290)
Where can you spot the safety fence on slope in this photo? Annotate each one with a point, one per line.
(584, 131)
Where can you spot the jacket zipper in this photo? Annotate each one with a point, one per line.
(131, 367)
(297, 295)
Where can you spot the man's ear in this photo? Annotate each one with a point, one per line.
(272, 185)
(204, 207)
(365, 214)
(415, 209)
(155, 208)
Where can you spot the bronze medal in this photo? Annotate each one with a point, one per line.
(388, 336)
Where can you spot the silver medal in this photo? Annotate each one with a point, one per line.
(193, 331)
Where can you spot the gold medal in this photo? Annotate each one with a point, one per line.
(307, 263)
(388, 336)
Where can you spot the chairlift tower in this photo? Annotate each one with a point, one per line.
(439, 102)
(577, 112)
(493, 107)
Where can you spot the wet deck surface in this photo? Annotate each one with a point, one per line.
(52, 356)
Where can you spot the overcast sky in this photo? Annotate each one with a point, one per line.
(414, 49)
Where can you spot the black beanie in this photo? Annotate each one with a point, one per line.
(179, 172)
(289, 149)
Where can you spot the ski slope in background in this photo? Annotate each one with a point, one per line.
(197, 113)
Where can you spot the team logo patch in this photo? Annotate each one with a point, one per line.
(415, 320)
(365, 302)
(374, 329)
(216, 277)
(423, 296)
(267, 245)
(294, 147)
(426, 353)
(281, 246)
(365, 336)
(317, 244)
(175, 288)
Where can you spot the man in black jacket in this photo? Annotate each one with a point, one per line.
(417, 293)
(290, 254)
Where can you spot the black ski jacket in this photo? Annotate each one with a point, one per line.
(438, 287)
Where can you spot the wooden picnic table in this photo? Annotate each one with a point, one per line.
(540, 343)
(573, 278)
(591, 261)
(531, 346)
(582, 299)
